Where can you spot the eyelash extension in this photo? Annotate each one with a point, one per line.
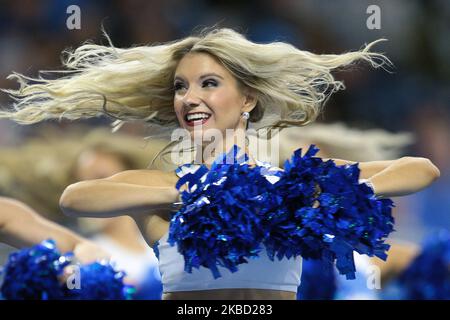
(214, 82)
(178, 85)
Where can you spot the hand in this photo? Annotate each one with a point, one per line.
(85, 252)
(178, 203)
(88, 252)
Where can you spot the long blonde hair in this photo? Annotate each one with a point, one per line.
(292, 85)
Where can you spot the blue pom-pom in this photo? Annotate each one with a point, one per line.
(314, 209)
(33, 273)
(327, 214)
(100, 281)
(318, 281)
(220, 223)
(36, 273)
(428, 275)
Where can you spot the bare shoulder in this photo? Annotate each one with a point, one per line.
(146, 177)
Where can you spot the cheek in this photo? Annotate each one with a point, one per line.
(178, 107)
(226, 104)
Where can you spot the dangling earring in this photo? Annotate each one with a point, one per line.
(245, 115)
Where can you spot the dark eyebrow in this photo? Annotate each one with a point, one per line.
(202, 76)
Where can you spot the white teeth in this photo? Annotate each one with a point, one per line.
(197, 116)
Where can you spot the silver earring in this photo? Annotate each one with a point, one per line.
(245, 115)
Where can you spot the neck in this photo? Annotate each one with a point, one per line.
(209, 152)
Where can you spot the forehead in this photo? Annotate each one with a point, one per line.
(197, 63)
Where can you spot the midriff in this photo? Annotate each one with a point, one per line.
(231, 294)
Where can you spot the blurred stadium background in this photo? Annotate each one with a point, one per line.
(414, 98)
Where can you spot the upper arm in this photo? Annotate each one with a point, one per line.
(148, 178)
(368, 168)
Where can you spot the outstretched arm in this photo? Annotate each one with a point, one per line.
(130, 192)
(398, 177)
(21, 226)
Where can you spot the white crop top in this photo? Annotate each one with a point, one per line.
(258, 273)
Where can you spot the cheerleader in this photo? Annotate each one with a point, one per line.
(37, 170)
(27, 177)
(219, 81)
(40, 272)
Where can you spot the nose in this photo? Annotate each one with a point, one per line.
(191, 98)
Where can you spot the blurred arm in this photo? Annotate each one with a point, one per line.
(21, 227)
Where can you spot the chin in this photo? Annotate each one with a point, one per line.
(206, 135)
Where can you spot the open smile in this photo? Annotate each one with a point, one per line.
(196, 118)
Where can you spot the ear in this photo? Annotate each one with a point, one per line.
(250, 100)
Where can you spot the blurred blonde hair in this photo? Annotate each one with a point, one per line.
(338, 140)
(335, 140)
(136, 83)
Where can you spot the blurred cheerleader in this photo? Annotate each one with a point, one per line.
(39, 170)
(120, 235)
(40, 272)
(216, 80)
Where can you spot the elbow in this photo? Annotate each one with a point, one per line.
(436, 173)
(70, 199)
(427, 166)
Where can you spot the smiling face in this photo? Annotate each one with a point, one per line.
(207, 96)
